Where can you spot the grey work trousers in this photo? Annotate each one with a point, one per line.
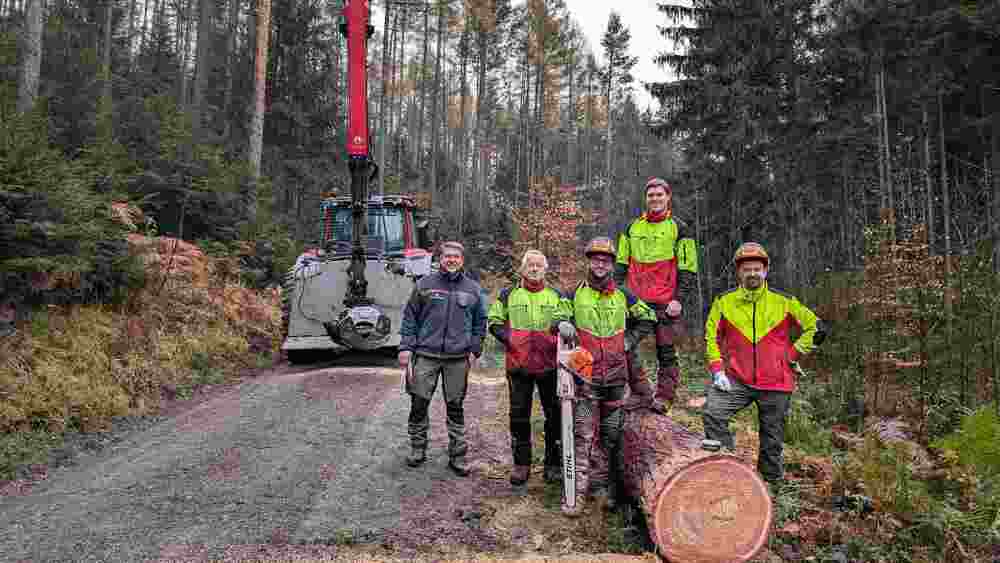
(455, 379)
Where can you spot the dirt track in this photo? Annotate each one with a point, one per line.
(290, 464)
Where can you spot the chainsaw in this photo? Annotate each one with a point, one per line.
(566, 391)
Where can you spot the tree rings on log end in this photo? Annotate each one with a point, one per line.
(714, 510)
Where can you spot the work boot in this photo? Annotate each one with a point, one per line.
(459, 466)
(553, 474)
(416, 457)
(519, 475)
(605, 499)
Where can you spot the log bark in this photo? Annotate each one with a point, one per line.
(700, 506)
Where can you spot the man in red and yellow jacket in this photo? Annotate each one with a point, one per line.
(660, 264)
(609, 322)
(522, 319)
(750, 352)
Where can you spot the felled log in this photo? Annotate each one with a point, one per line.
(700, 506)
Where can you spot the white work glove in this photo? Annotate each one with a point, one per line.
(674, 308)
(721, 382)
(404, 358)
(567, 331)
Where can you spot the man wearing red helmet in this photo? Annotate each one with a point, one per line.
(660, 264)
(750, 354)
(609, 321)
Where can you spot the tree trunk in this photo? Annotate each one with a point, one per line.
(889, 184)
(571, 131)
(607, 144)
(397, 126)
(182, 96)
(436, 100)
(234, 15)
(419, 148)
(995, 177)
(131, 29)
(384, 77)
(263, 35)
(699, 506)
(928, 184)
(538, 160)
(202, 71)
(477, 132)
(946, 211)
(31, 63)
(461, 154)
(109, 9)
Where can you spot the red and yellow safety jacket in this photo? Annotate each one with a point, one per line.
(603, 320)
(749, 335)
(522, 320)
(657, 260)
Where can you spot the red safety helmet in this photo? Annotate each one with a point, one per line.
(659, 183)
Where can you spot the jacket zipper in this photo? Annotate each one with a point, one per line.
(447, 317)
(754, 323)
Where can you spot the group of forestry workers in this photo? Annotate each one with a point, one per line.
(629, 293)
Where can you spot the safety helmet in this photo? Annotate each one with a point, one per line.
(600, 245)
(659, 183)
(751, 251)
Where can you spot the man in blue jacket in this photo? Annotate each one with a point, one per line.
(442, 332)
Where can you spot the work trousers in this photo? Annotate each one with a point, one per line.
(454, 374)
(772, 409)
(522, 391)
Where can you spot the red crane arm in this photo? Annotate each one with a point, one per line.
(356, 14)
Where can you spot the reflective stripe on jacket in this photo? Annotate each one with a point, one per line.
(526, 318)
(601, 319)
(749, 335)
(657, 258)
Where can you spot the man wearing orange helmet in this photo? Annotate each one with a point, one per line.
(608, 321)
(750, 354)
(660, 265)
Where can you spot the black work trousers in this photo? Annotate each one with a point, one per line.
(522, 392)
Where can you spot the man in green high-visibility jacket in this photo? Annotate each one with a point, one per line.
(660, 264)
(609, 322)
(750, 353)
(522, 319)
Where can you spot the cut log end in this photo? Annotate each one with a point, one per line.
(716, 509)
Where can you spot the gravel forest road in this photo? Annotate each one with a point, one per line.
(310, 459)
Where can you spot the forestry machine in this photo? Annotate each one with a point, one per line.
(349, 294)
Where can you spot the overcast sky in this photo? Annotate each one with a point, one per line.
(641, 18)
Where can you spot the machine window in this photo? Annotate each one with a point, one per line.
(385, 227)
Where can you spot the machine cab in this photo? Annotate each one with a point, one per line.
(397, 232)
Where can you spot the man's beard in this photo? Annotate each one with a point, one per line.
(534, 276)
(753, 282)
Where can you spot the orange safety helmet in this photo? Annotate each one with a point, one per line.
(751, 251)
(582, 362)
(600, 245)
